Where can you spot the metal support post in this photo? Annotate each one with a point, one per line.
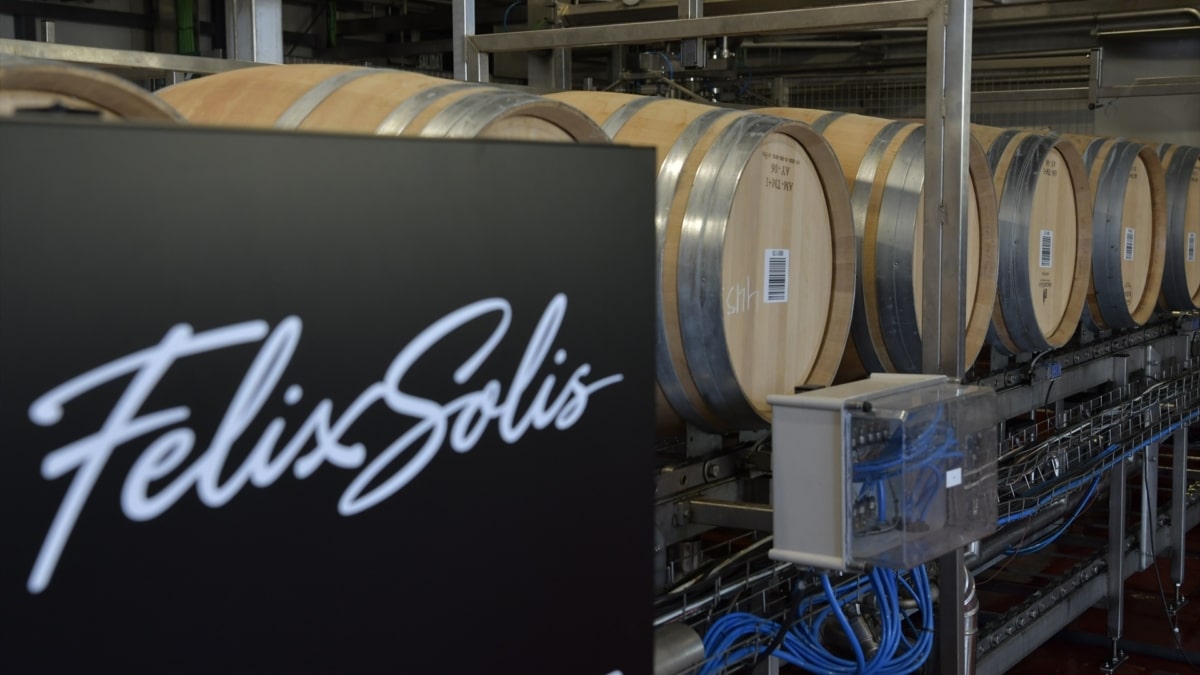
(947, 142)
(1115, 592)
(1179, 482)
(1149, 513)
(548, 68)
(1116, 564)
(255, 30)
(1095, 75)
(469, 63)
(943, 309)
(692, 53)
(1148, 524)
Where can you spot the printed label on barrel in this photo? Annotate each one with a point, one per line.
(1047, 249)
(1050, 167)
(1129, 243)
(780, 175)
(1191, 247)
(775, 277)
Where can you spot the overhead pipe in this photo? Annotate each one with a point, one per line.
(803, 44)
(1095, 18)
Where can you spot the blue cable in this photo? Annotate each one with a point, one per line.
(1099, 471)
(801, 645)
(670, 68)
(509, 9)
(841, 617)
(1050, 539)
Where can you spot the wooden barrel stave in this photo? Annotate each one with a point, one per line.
(1128, 230)
(883, 164)
(716, 367)
(1041, 182)
(1181, 268)
(29, 85)
(386, 102)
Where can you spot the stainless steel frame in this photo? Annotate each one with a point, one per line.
(948, 55)
(153, 64)
(255, 30)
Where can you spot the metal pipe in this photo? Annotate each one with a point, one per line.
(1132, 646)
(1096, 18)
(996, 545)
(721, 593)
(677, 649)
(970, 622)
(803, 44)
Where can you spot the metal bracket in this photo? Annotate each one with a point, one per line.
(1115, 661)
(1177, 604)
(700, 442)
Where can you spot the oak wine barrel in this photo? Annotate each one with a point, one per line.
(1181, 269)
(29, 86)
(1045, 238)
(1129, 229)
(884, 166)
(755, 252)
(378, 101)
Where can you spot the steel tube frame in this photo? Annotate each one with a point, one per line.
(1179, 482)
(948, 78)
(121, 58)
(943, 308)
(889, 12)
(255, 30)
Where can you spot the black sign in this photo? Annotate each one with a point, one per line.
(301, 403)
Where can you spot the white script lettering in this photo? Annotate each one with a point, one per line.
(318, 440)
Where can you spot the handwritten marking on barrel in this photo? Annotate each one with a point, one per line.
(739, 298)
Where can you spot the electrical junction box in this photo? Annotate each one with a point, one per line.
(892, 471)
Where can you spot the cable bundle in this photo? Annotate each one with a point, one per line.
(738, 636)
(920, 463)
(1095, 469)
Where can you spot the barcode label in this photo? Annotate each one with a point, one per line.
(1047, 248)
(775, 281)
(1129, 243)
(1191, 247)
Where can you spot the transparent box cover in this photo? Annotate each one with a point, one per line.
(923, 472)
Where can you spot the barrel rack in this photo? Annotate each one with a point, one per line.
(1124, 395)
(724, 482)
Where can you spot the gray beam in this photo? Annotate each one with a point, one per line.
(947, 120)
(348, 50)
(1001, 658)
(1082, 10)
(837, 17)
(57, 12)
(255, 30)
(1060, 606)
(470, 64)
(1189, 88)
(120, 58)
(739, 515)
